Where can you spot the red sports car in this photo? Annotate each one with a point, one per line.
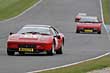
(89, 24)
(35, 39)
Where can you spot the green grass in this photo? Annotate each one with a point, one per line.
(11, 8)
(106, 9)
(84, 67)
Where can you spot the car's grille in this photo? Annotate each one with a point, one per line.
(89, 28)
(27, 46)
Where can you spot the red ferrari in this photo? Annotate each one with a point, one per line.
(89, 24)
(35, 39)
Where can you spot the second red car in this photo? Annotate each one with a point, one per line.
(88, 24)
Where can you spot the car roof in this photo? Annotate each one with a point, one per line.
(35, 25)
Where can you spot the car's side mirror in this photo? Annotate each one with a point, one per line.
(11, 33)
(58, 36)
(77, 20)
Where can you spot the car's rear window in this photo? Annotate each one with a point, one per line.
(40, 30)
(89, 20)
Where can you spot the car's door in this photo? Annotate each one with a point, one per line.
(57, 37)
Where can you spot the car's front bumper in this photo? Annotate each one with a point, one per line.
(88, 29)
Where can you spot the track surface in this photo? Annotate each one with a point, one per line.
(59, 13)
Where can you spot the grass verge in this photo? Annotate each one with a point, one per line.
(11, 8)
(106, 9)
(84, 67)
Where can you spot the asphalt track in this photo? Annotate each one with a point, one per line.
(61, 14)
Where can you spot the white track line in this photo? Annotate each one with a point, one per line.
(83, 60)
(23, 11)
(70, 64)
(102, 12)
(102, 16)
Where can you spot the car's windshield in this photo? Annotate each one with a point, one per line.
(34, 30)
(89, 20)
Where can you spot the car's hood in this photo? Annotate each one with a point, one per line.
(30, 38)
(89, 24)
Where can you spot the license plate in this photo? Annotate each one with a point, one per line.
(26, 49)
(88, 30)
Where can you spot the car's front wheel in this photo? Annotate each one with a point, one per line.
(77, 31)
(52, 51)
(11, 53)
(59, 51)
(99, 32)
